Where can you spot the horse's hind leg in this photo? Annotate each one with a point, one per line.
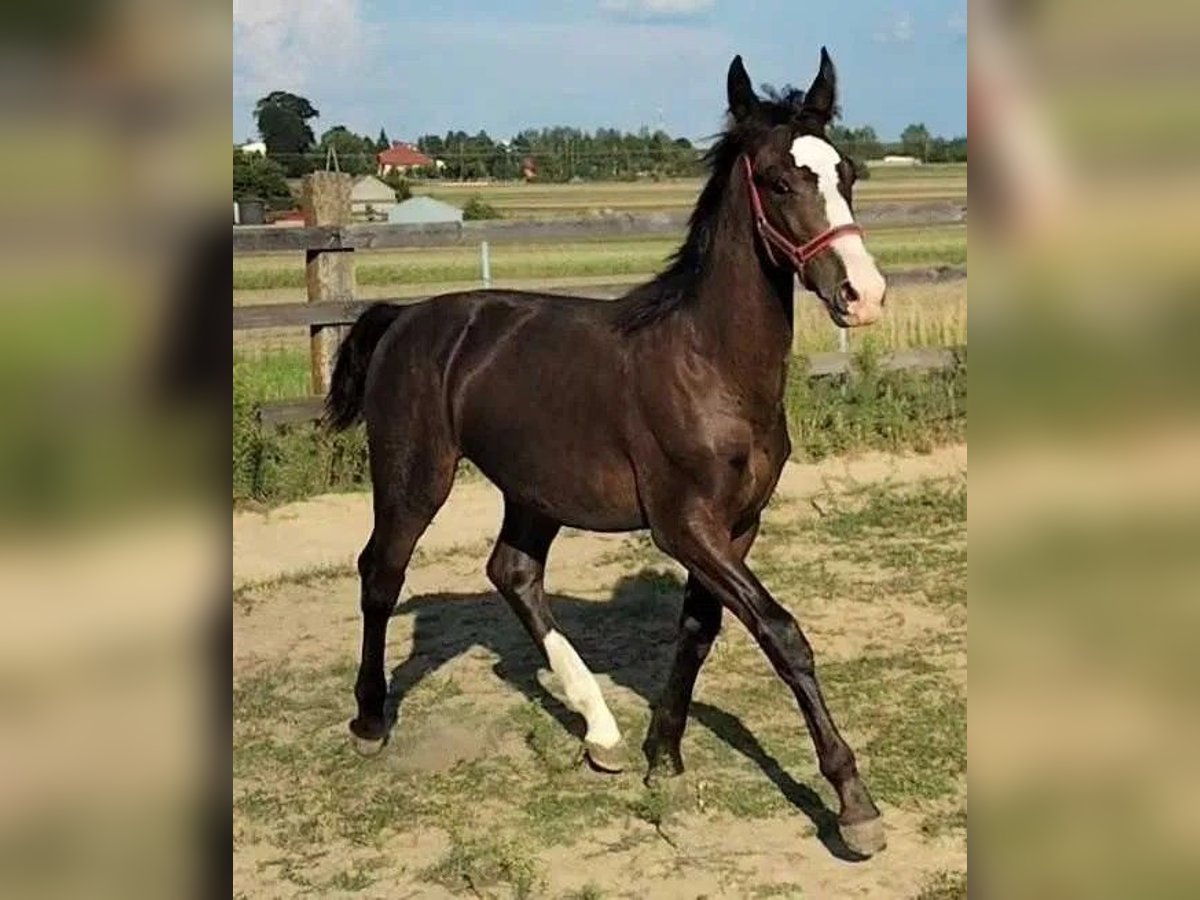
(516, 567)
(409, 490)
(699, 624)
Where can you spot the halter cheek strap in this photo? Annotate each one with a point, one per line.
(775, 240)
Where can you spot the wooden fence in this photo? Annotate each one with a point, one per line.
(328, 241)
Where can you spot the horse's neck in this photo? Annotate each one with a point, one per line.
(743, 310)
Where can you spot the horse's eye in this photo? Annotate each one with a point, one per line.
(781, 186)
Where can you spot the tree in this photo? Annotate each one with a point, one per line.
(915, 140)
(355, 154)
(259, 177)
(382, 143)
(283, 125)
(866, 143)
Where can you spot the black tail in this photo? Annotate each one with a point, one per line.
(343, 406)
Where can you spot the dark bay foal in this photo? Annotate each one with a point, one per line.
(660, 410)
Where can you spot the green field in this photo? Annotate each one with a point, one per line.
(917, 315)
(519, 200)
(625, 259)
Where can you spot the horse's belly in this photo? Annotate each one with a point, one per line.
(595, 490)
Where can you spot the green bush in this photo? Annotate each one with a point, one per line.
(275, 465)
(399, 184)
(875, 409)
(478, 208)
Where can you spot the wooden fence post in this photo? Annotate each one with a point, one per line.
(328, 273)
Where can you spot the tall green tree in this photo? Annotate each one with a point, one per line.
(382, 142)
(259, 177)
(915, 140)
(355, 153)
(282, 120)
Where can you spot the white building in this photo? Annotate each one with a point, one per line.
(422, 210)
(895, 160)
(258, 147)
(371, 200)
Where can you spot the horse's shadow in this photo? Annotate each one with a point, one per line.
(631, 638)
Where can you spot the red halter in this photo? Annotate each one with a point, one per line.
(773, 239)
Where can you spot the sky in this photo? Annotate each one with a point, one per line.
(420, 68)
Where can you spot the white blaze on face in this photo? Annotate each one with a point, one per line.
(820, 158)
(583, 693)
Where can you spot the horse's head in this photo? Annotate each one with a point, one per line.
(801, 187)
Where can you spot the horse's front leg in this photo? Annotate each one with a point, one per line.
(712, 558)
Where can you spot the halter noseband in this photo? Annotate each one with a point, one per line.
(775, 240)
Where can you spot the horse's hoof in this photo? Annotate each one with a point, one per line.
(664, 765)
(366, 746)
(864, 838)
(367, 741)
(606, 759)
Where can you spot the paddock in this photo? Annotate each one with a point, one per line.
(482, 791)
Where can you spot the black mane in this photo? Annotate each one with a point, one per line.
(671, 289)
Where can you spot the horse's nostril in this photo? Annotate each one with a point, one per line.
(848, 293)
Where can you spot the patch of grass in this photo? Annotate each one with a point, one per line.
(555, 816)
(782, 889)
(358, 877)
(944, 886)
(932, 508)
(939, 823)
(292, 461)
(478, 863)
(875, 409)
(590, 891)
(657, 804)
(243, 595)
(917, 534)
(478, 208)
(917, 315)
(916, 718)
(555, 749)
(642, 258)
(273, 375)
(430, 693)
(264, 693)
(754, 797)
(635, 550)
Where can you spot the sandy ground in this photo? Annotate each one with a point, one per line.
(471, 672)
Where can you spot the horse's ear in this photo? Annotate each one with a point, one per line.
(821, 97)
(742, 99)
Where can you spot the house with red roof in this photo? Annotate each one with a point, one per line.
(402, 157)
